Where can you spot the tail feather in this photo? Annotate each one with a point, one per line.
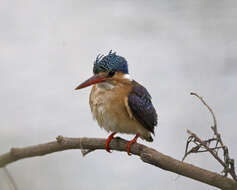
(148, 138)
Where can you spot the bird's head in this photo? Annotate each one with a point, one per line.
(107, 68)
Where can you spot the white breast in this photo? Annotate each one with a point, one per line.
(100, 100)
(105, 86)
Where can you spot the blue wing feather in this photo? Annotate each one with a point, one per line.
(139, 101)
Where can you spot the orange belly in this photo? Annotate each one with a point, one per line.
(109, 108)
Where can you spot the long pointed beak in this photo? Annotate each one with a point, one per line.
(93, 80)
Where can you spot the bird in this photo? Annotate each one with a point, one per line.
(119, 103)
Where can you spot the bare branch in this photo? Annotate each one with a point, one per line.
(205, 145)
(209, 108)
(147, 155)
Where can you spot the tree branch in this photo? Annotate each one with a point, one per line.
(147, 155)
(227, 162)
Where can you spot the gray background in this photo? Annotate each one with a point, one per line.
(173, 47)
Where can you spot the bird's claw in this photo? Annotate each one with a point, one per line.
(130, 143)
(110, 137)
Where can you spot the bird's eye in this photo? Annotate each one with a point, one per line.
(111, 74)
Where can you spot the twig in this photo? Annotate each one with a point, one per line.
(11, 179)
(227, 162)
(206, 147)
(209, 108)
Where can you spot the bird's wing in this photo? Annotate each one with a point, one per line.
(139, 101)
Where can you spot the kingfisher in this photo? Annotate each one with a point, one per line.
(119, 103)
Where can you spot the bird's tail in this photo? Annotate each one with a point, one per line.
(148, 137)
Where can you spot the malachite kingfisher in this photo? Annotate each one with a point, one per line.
(119, 103)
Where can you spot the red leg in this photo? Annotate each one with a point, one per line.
(132, 142)
(110, 137)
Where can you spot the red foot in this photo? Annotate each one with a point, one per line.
(110, 137)
(132, 142)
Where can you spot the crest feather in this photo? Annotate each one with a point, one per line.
(110, 62)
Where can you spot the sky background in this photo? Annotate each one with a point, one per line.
(173, 47)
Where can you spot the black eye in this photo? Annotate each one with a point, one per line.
(111, 74)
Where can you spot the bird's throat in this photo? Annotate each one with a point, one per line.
(105, 85)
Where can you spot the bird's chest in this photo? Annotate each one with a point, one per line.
(106, 105)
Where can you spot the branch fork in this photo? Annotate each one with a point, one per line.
(205, 145)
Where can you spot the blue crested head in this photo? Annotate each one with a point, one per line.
(110, 62)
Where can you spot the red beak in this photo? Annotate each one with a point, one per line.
(93, 80)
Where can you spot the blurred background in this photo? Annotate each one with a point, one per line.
(173, 47)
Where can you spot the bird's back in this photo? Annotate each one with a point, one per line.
(140, 103)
